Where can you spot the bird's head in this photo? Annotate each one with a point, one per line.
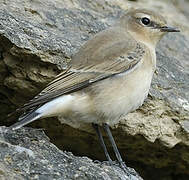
(146, 26)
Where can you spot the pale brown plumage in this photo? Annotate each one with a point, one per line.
(94, 64)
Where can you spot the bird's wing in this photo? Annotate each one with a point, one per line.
(90, 65)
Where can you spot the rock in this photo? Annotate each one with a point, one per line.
(27, 153)
(37, 40)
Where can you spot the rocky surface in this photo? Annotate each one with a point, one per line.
(37, 39)
(28, 154)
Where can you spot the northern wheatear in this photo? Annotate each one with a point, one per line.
(108, 77)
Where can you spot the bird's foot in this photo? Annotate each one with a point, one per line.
(108, 163)
(111, 163)
(97, 161)
(124, 167)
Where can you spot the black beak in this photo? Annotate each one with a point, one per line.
(169, 29)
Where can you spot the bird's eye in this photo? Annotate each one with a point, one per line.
(145, 21)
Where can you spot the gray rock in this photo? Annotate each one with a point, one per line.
(37, 40)
(28, 154)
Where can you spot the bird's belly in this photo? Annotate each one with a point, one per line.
(79, 112)
(111, 99)
(122, 97)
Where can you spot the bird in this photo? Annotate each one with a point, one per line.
(109, 77)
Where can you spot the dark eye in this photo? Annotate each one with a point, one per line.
(145, 21)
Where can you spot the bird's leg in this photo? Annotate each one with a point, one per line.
(116, 151)
(96, 127)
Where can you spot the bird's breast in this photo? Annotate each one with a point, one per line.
(119, 95)
(108, 100)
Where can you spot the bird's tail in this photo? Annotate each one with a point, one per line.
(26, 120)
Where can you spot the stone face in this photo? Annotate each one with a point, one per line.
(37, 40)
(27, 153)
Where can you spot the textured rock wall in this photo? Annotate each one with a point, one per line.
(28, 154)
(37, 39)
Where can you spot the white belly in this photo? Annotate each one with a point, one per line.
(109, 100)
(124, 95)
(103, 102)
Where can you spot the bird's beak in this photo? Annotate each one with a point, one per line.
(169, 29)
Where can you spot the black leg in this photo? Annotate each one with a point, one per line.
(96, 127)
(118, 156)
